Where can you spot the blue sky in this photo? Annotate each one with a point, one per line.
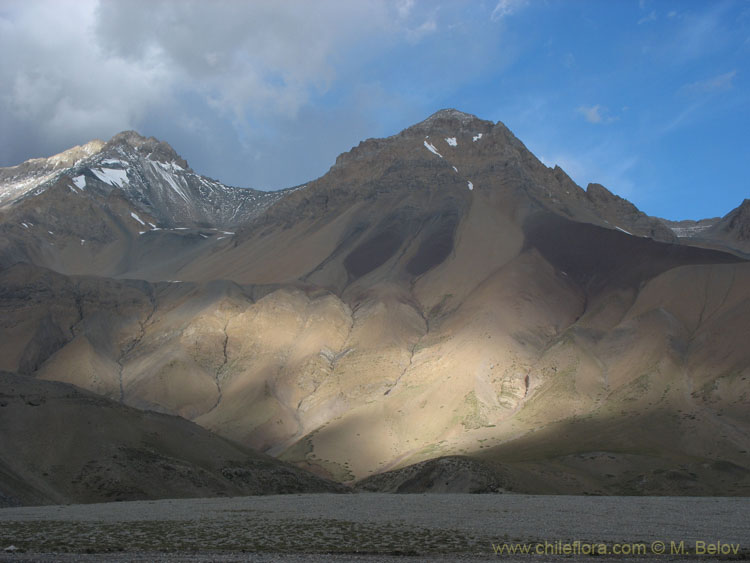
(649, 98)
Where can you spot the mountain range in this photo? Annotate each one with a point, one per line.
(439, 312)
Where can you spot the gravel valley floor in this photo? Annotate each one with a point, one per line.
(380, 527)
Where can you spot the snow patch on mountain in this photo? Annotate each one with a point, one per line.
(687, 232)
(111, 176)
(14, 189)
(169, 166)
(165, 172)
(430, 147)
(80, 182)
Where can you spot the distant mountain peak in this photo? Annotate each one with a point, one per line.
(736, 224)
(15, 181)
(131, 137)
(63, 159)
(451, 113)
(154, 181)
(149, 147)
(74, 154)
(448, 120)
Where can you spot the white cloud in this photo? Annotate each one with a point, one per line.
(404, 8)
(506, 8)
(593, 114)
(680, 118)
(651, 17)
(85, 68)
(697, 33)
(415, 24)
(59, 80)
(259, 56)
(427, 27)
(700, 95)
(125, 55)
(717, 83)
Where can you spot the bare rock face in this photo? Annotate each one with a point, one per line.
(731, 232)
(735, 227)
(147, 147)
(618, 211)
(739, 221)
(438, 293)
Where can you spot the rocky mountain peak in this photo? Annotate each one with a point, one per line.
(452, 114)
(599, 192)
(17, 180)
(449, 121)
(71, 156)
(448, 130)
(148, 147)
(737, 222)
(619, 212)
(58, 161)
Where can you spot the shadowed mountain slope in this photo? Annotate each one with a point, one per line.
(731, 232)
(60, 444)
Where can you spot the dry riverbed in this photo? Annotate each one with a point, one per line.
(380, 527)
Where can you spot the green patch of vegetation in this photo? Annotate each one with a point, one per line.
(473, 417)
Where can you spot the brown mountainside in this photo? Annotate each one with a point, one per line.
(61, 444)
(437, 293)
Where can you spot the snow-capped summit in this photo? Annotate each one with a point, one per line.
(17, 181)
(148, 172)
